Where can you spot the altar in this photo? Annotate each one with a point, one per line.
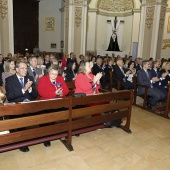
(103, 53)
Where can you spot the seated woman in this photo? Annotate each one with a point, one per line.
(132, 70)
(71, 72)
(165, 70)
(52, 85)
(85, 81)
(9, 69)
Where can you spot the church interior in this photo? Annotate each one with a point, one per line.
(142, 29)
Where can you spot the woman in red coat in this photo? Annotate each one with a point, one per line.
(52, 85)
(85, 81)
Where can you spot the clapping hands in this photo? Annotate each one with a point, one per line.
(27, 85)
(97, 78)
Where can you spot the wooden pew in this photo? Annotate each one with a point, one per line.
(166, 113)
(27, 121)
(164, 110)
(71, 87)
(111, 84)
(83, 121)
(143, 96)
(29, 127)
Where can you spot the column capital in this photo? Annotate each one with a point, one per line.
(154, 2)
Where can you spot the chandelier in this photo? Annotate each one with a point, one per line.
(3, 8)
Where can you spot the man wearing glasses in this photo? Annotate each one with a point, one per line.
(20, 87)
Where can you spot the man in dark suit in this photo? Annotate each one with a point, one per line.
(139, 66)
(144, 78)
(20, 87)
(72, 58)
(156, 73)
(33, 71)
(47, 61)
(1, 78)
(121, 74)
(1, 63)
(98, 68)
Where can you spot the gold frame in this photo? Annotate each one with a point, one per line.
(49, 23)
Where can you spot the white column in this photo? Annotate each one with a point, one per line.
(71, 27)
(141, 30)
(151, 28)
(11, 26)
(83, 30)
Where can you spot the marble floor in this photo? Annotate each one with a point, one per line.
(147, 148)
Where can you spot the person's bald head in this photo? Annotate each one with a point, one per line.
(120, 63)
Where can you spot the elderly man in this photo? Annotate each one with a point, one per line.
(121, 74)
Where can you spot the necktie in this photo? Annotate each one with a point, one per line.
(21, 82)
(156, 73)
(33, 70)
(147, 75)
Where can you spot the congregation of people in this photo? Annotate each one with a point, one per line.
(27, 76)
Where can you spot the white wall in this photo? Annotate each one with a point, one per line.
(104, 32)
(91, 31)
(49, 8)
(127, 34)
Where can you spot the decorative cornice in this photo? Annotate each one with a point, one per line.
(136, 10)
(111, 14)
(93, 10)
(78, 2)
(155, 2)
(150, 1)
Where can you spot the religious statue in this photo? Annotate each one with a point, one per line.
(113, 45)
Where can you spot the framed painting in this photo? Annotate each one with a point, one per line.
(49, 23)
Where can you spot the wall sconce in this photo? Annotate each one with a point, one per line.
(3, 8)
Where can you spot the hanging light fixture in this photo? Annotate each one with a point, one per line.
(3, 8)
